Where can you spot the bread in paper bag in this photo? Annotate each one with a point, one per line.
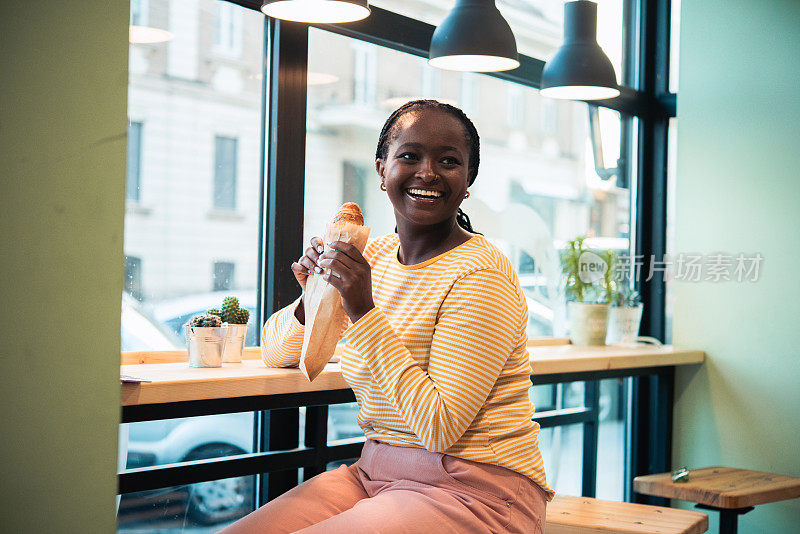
(325, 316)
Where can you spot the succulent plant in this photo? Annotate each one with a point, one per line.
(214, 311)
(626, 297)
(229, 307)
(240, 316)
(206, 321)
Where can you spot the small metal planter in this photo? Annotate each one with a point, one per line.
(206, 345)
(623, 325)
(235, 343)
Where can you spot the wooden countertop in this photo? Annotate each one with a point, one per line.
(172, 380)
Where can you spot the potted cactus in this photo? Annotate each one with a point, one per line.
(236, 319)
(625, 316)
(205, 340)
(588, 286)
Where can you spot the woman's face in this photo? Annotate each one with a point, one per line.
(426, 170)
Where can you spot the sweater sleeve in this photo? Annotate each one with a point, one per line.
(475, 333)
(282, 338)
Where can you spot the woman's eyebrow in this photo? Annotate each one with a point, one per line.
(419, 145)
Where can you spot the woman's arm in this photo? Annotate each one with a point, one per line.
(282, 338)
(477, 330)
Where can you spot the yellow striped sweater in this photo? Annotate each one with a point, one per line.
(441, 361)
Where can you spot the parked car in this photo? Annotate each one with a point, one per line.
(141, 331)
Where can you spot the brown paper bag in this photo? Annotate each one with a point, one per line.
(325, 316)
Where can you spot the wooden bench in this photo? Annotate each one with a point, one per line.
(584, 515)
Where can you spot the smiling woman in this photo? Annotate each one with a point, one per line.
(435, 354)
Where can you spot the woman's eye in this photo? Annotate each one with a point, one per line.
(408, 155)
(450, 161)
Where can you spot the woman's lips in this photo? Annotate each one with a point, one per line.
(424, 195)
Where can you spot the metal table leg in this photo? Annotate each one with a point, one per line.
(728, 517)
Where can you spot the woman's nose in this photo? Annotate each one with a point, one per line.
(426, 171)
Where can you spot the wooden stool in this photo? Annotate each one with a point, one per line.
(584, 515)
(730, 491)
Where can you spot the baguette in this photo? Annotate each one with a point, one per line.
(325, 316)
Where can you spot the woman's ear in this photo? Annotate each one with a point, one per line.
(380, 167)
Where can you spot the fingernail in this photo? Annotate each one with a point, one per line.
(320, 249)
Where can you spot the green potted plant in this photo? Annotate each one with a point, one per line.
(236, 319)
(625, 316)
(588, 287)
(205, 340)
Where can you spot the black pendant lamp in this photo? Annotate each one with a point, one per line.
(474, 37)
(580, 70)
(316, 11)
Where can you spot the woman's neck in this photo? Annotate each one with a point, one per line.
(418, 244)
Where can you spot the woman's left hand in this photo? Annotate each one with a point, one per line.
(351, 275)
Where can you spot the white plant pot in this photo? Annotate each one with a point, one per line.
(623, 325)
(234, 346)
(206, 345)
(588, 323)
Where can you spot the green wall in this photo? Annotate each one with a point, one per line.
(738, 190)
(63, 85)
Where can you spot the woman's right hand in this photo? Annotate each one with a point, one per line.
(307, 264)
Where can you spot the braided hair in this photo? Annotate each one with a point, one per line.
(471, 134)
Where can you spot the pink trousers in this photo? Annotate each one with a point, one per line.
(394, 489)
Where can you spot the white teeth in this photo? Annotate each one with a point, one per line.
(425, 193)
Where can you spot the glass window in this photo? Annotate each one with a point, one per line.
(671, 253)
(363, 74)
(200, 161)
(538, 183)
(674, 44)
(138, 12)
(354, 182)
(133, 276)
(225, 172)
(562, 452)
(133, 183)
(191, 508)
(228, 30)
(202, 507)
(611, 440)
(223, 275)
